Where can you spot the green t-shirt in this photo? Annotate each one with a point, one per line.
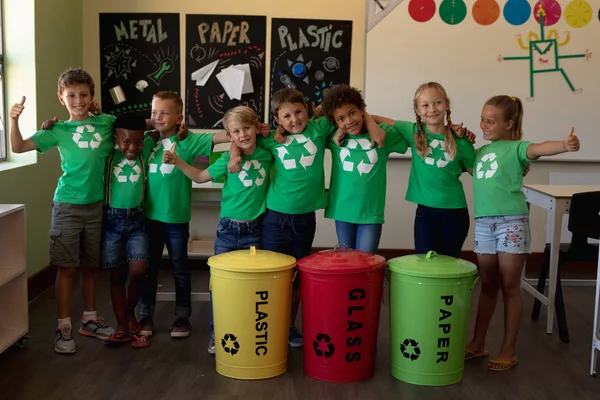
(498, 178)
(169, 193)
(434, 180)
(83, 147)
(244, 192)
(358, 177)
(127, 177)
(298, 186)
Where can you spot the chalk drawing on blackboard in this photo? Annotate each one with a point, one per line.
(543, 53)
(119, 62)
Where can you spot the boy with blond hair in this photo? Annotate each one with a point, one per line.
(243, 200)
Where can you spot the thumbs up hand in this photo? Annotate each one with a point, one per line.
(17, 109)
(571, 142)
(170, 156)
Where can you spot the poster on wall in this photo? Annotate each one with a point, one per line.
(225, 57)
(139, 56)
(309, 55)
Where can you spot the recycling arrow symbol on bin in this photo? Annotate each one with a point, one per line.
(323, 338)
(407, 346)
(230, 344)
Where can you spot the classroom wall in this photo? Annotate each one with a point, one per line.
(398, 230)
(36, 56)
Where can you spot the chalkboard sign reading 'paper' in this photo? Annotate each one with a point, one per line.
(224, 66)
(139, 56)
(310, 55)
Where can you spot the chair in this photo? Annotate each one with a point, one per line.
(584, 223)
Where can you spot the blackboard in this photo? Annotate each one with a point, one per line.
(139, 56)
(217, 45)
(310, 55)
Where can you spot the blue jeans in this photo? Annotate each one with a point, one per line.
(234, 235)
(506, 234)
(290, 234)
(363, 237)
(124, 236)
(443, 230)
(175, 236)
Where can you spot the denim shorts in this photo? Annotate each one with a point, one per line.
(124, 236)
(237, 235)
(508, 234)
(75, 234)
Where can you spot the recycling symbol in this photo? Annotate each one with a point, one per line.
(230, 344)
(164, 169)
(440, 159)
(93, 143)
(410, 349)
(324, 339)
(305, 160)
(493, 166)
(362, 167)
(247, 168)
(133, 177)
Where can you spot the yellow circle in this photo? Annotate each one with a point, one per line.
(578, 13)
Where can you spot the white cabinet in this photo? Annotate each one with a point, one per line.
(14, 317)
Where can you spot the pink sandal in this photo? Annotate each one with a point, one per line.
(140, 341)
(118, 337)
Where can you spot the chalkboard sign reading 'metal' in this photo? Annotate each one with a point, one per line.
(139, 56)
(225, 68)
(310, 55)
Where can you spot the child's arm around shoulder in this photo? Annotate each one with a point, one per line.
(553, 147)
(17, 144)
(198, 176)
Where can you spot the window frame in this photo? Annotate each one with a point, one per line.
(3, 125)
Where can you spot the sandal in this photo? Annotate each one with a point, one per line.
(140, 342)
(501, 365)
(469, 355)
(118, 337)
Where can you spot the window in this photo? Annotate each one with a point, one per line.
(2, 92)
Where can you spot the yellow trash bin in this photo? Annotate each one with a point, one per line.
(251, 292)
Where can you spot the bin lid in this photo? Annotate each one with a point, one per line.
(252, 260)
(432, 265)
(338, 261)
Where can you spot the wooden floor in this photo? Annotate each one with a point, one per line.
(182, 369)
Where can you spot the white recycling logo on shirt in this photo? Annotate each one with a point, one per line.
(93, 143)
(491, 170)
(245, 176)
(441, 162)
(164, 169)
(305, 161)
(362, 167)
(133, 177)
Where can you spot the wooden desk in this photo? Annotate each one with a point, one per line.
(555, 199)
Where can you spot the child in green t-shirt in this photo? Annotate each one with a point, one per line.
(502, 235)
(298, 185)
(124, 238)
(168, 210)
(357, 189)
(439, 157)
(244, 192)
(83, 141)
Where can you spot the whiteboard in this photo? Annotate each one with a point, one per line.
(402, 54)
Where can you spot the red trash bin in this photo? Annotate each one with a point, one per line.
(341, 296)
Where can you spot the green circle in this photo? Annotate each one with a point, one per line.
(453, 14)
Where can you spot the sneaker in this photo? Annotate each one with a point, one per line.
(63, 340)
(96, 328)
(147, 325)
(295, 337)
(211, 344)
(181, 328)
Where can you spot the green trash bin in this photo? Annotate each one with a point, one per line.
(430, 298)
